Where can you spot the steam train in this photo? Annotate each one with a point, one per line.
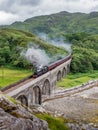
(38, 71)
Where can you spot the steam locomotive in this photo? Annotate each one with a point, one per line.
(40, 70)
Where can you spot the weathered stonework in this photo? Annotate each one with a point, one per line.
(13, 116)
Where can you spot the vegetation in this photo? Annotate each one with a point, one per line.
(11, 75)
(76, 79)
(76, 28)
(63, 22)
(54, 123)
(14, 42)
(85, 52)
(10, 99)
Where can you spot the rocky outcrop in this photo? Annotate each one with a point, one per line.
(14, 116)
(81, 126)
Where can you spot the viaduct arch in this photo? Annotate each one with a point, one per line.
(23, 99)
(59, 76)
(36, 95)
(46, 88)
(64, 72)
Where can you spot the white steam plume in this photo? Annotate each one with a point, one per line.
(59, 42)
(36, 56)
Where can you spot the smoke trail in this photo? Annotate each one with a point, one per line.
(38, 56)
(59, 42)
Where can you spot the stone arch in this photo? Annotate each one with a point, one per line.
(63, 72)
(36, 95)
(68, 68)
(46, 87)
(59, 76)
(23, 99)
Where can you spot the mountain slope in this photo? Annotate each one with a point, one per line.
(59, 23)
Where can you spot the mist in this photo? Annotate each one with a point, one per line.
(58, 42)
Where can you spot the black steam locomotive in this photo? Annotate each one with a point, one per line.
(40, 70)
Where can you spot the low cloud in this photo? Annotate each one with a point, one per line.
(22, 9)
(7, 18)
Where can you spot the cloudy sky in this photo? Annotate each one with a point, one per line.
(19, 10)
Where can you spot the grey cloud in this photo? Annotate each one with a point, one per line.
(29, 2)
(22, 9)
(95, 8)
(8, 5)
(22, 2)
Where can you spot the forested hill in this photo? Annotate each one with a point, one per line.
(85, 52)
(78, 28)
(14, 42)
(59, 23)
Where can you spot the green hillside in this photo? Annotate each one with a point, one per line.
(13, 42)
(63, 22)
(85, 52)
(79, 28)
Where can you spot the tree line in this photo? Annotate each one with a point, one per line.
(84, 52)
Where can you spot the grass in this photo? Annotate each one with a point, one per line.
(72, 80)
(9, 75)
(53, 123)
(10, 98)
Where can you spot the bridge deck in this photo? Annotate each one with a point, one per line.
(18, 85)
(24, 85)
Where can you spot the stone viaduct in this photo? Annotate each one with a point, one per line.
(35, 91)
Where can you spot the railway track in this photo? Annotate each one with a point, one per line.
(12, 87)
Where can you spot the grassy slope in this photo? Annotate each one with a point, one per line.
(73, 80)
(23, 38)
(54, 123)
(9, 76)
